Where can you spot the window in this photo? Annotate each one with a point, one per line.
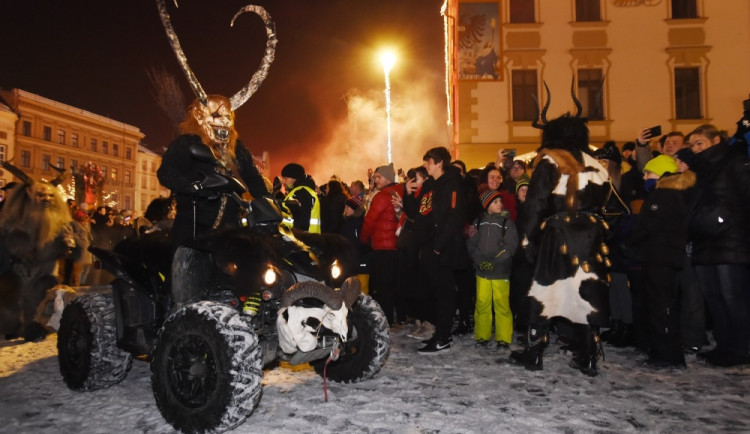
(105, 147)
(127, 202)
(687, 93)
(144, 181)
(144, 165)
(60, 163)
(115, 149)
(74, 139)
(3, 152)
(684, 9)
(588, 10)
(127, 177)
(61, 137)
(45, 161)
(27, 128)
(25, 159)
(74, 165)
(524, 91)
(47, 134)
(3, 135)
(104, 172)
(153, 167)
(93, 145)
(128, 153)
(113, 174)
(590, 93)
(522, 11)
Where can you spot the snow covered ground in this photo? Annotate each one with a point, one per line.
(464, 391)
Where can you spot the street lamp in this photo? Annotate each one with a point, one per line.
(388, 59)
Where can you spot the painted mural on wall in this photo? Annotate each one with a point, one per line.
(479, 36)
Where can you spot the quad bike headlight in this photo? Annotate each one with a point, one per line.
(269, 277)
(335, 270)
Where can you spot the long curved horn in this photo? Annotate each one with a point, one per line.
(535, 123)
(575, 98)
(177, 48)
(252, 86)
(18, 173)
(350, 291)
(60, 176)
(317, 290)
(546, 105)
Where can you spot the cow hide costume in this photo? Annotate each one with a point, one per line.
(35, 231)
(563, 236)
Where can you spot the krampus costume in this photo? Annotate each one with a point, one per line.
(35, 231)
(563, 235)
(210, 124)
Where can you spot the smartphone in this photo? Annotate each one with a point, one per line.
(654, 131)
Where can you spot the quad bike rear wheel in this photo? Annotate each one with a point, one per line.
(367, 346)
(207, 369)
(87, 349)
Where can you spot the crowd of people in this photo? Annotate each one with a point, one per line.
(640, 245)
(646, 241)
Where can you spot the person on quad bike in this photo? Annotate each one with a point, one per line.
(209, 124)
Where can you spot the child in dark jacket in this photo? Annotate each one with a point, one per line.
(492, 249)
(658, 240)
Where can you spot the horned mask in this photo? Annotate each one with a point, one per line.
(212, 116)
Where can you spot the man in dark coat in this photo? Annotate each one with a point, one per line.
(209, 128)
(447, 251)
(719, 230)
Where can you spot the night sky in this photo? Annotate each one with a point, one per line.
(95, 55)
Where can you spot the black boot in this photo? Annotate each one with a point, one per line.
(612, 332)
(463, 327)
(585, 360)
(531, 357)
(625, 337)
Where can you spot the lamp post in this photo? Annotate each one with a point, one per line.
(388, 58)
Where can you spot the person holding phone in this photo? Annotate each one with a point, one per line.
(672, 142)
(379, 230)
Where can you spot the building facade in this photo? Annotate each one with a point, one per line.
(8, 120)
(147, 186)
(632, 63)
(94, 149)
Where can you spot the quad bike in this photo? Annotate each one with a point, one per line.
(237, 301)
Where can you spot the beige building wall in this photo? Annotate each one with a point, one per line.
(65, 135)
(636, 44)
(8, 121)
(147, 186)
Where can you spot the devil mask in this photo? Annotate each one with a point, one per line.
(212, 121)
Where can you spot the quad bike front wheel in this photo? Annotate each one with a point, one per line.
(207, 369)
(367, 346)
(87, 349)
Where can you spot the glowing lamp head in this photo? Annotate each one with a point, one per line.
(269, 277)
(388, 59)
(335, 270)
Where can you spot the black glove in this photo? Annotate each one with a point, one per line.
(198, 190)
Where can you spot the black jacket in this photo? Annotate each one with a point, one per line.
(449, 214)
(178, 172)
(720, 211)
(660, 232)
